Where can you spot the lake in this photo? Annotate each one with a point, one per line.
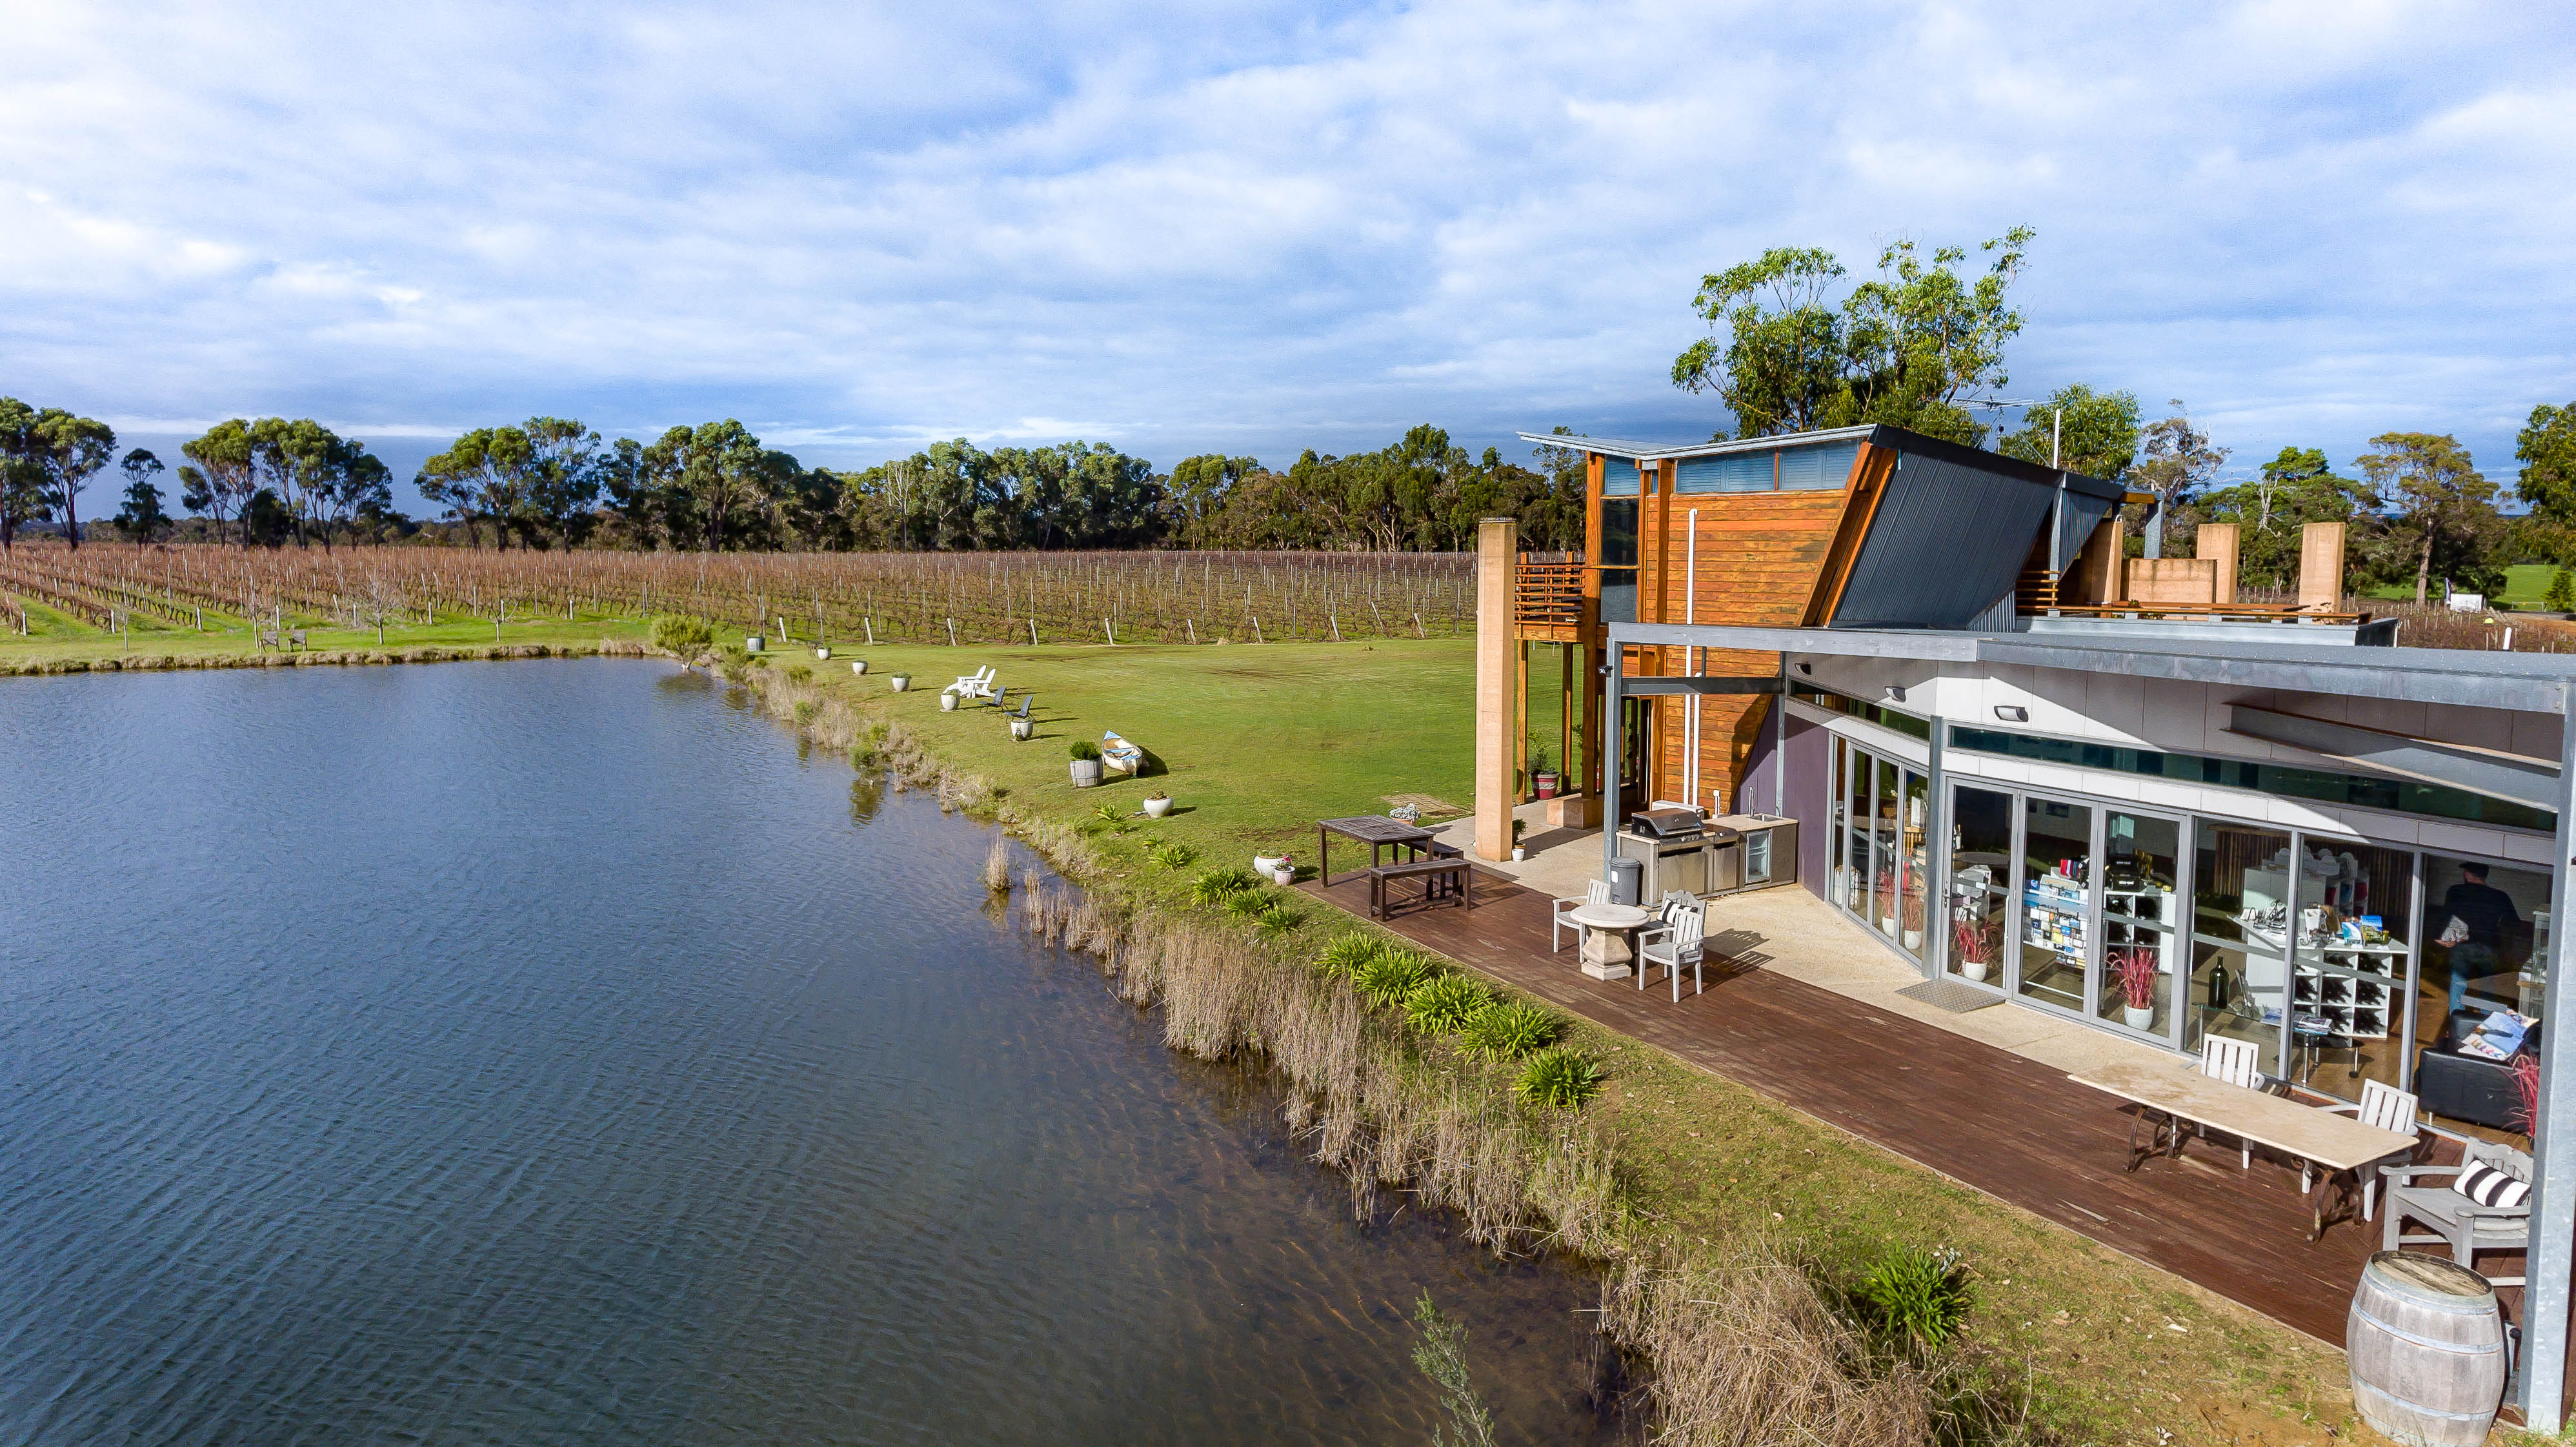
(546, 1052)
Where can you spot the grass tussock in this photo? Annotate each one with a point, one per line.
(997, 867)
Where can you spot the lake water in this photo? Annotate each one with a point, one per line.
(546, 1053)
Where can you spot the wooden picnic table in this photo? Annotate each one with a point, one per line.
(2337, 1146)
(1377, 831)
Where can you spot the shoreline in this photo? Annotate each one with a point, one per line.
(322, 658)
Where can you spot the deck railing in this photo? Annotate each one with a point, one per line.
(1547, 601)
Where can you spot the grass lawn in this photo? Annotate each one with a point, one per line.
(53, 636)
(1261, 741)
(2526, 586)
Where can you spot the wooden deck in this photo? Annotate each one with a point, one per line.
(2009, 1126)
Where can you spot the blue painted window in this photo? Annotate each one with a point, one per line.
(1817, 469)
(1618, 477)
(1728, 472)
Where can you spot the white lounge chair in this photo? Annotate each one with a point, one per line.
(1597, 892)
(1673, 946)
(2388, 1108)
(978, 684)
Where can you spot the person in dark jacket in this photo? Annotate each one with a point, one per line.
(2486, 912)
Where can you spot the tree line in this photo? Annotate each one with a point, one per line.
(552, 482)
(1922, 345)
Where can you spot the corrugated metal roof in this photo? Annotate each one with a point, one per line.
(1656, 451)
(1947, 541)
(1877, 434)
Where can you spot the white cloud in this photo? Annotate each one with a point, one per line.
(1249, 228)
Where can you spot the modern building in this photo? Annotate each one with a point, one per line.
(2094, 785)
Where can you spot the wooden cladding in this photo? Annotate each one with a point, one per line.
(1547, 602)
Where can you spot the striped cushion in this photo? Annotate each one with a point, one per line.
(2488, 1186)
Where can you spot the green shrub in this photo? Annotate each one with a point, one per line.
(806, 708)
(1392, 977)
(2561, 597)
(1250, 903)
(799, 673)
(1214, 886)
(1563, 1078)
(1345, 956)
(1512, 1030)
(1083, 749)
(687, 637)
(1918, 1294)
(1107, 813)
(1174, 856)
(1278, 922)
(1443, 1004)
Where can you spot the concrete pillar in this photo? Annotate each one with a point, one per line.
(2218, 542)
(1497, 727)
(2321, 567)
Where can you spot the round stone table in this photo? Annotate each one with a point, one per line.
(1606, 951)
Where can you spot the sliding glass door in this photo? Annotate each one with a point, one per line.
(2057, 902)
(2142, 948)
(1880, 844)
(1979, 911)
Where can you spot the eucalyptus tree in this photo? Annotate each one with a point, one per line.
(142, 518)
(2081, 430)
(719, 466)
(2546, 448)
(2180, 460)
(22, 472)
(564, 469)
(221, 474)
(2272, 508)
(483, 474)
(2446, 506)
(71, 450)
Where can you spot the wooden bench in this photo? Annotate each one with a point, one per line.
(1441, 879)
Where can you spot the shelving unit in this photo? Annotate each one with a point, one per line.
(2356, 988)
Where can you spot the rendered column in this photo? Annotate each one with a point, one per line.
(1497, 548)
(2553, 1163)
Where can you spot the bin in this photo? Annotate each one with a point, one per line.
(1627, 877)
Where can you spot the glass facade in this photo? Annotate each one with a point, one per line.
(1879, 851)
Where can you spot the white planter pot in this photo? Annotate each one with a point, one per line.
(751, 644)
(858, 665)
(1887, 926)
(1264, 864)
(2137, 1019)
(1022, 728)
(822, 652)
(1086, 773)
(1283, 876)
(948, 703)
(1519, 854)
(1913, 941)
(900, 682)
(1972, 969)
(1157, 808)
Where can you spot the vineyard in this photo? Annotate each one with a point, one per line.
(955, 598)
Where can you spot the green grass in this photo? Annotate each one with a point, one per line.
(57, 637)
(2526, 585)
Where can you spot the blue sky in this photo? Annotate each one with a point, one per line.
(1248, 228)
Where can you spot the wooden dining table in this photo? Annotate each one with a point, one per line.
(2173, 1103)
(1377, 831)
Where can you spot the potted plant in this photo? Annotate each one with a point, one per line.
(1157, 804)
(1543, 779)
(822, 650)
(1968, 949)
(1267, 865)
(1520, 826)
(1887, 902)
(1024, 728)
(752, 643)
(899, 682)
(1284, 872)
(1086, 763)
(1913, 908)
(858, 665)
(948, 703)
(2134, 967)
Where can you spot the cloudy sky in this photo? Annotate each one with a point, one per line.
(1251, 228)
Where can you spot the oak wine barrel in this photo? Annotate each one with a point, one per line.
(2426, 1344)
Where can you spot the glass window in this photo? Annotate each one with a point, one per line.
(2142, 949)
(2348, 988)
(2240, 905)
(1883, 855)
(2057, 891)
(1981, 826)
(1915, 862)
(2485, 949)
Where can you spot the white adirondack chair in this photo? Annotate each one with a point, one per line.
(973, 685)
(2238, 1063)
(2388, 1108)
(1597, 892)
(1673, 946)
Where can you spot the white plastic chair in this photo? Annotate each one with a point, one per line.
(972, 685)
(1672, 946)
(2388, 1108)
(1597, 892)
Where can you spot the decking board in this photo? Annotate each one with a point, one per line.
(2005, 1125)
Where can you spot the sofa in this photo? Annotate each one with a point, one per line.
(2466, 1087)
